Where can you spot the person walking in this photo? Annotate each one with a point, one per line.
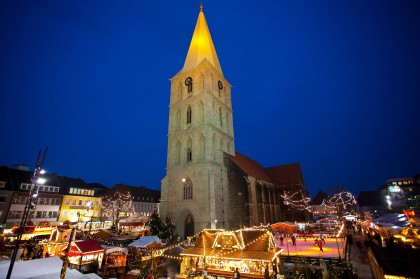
(293, 240)
(281, 240)
(320, 246)
(350, 239)
(236, 274)
(266, 273)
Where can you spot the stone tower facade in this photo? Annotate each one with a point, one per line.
(195, 190)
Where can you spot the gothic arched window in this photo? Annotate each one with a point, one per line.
(189, 155)
(188, 189)
(189, 112)
(188, 83)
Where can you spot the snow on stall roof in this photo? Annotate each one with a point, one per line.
(144, 241)
(31, 269)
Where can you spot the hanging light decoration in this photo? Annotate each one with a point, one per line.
(297, 200)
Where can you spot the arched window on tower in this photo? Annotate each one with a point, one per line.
(189, 155)
(188, 188)
(189, 112)
(188, 83)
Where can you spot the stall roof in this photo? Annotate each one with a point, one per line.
(111, 249)
(51, 269)
(87, 246)
(145, 241)
(134, 221)
(102, 235)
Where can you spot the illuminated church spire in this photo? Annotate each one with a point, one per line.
(201, 46)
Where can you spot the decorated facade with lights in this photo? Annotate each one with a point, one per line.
(205, 187)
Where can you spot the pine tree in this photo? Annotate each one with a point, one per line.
(155, 223)
(168, 229)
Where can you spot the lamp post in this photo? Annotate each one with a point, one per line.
(30, 205)
(88, 206)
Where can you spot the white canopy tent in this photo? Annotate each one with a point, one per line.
(45, 268)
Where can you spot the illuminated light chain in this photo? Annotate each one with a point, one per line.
(225, 254)
(297, 200)
(117, 203)
(341, 199)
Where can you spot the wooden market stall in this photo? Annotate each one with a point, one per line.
(252, 251)
(134, 225)
(85, 252)
(115, 260)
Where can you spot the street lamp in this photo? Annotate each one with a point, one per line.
(30, 205)
(88, 206)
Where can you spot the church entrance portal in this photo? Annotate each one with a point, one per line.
(188, 226)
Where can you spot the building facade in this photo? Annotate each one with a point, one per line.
(80, 205)
(402, 193)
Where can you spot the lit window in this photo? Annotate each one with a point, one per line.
(188, 189)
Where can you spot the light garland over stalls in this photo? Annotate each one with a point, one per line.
(297, 200)
(160, 252)
(343, 199)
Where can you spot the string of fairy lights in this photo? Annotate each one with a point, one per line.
(343, 199)
(240, 245)
(297, 200)
(116, 203)
(215, 253)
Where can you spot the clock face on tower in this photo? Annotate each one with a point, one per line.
(220, 85)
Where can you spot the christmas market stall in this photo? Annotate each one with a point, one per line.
(143, 249)
(82, 253)
(134, 225)
(115, 260)
(59, 240)
(220, 252)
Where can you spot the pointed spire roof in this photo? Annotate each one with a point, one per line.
(201, 46)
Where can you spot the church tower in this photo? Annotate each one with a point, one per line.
(195, 189)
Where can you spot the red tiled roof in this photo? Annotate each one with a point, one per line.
(249, 166)
(88, 246)
(285, 175)
(281, 175)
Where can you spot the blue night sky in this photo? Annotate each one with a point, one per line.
(334, 85)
